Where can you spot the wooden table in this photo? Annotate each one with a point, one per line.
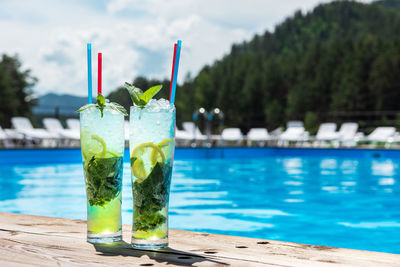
(27, 240)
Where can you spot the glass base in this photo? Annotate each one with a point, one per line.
(104, 238)
(148, 244)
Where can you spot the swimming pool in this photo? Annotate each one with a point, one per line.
(338, 197)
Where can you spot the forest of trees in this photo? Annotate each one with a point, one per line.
(342, 56)
(15, 90)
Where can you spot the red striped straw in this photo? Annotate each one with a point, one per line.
(99, 74)
(172, 74)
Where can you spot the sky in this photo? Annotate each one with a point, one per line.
(136, 37)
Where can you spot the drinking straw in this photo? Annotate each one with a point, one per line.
(89, 68)
(172, 72)
(99, 74)
(176, 67)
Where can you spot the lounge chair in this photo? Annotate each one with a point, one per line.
(4, 139)
(347, 134)
(276, 133)
(73, 124)
(183, 137)
(381, 135)
(394, 139)
(232, 135)
(14, 136)
(326, 133)
(294, 132)
(33, 135)
(191, 128)
(67, 136)
(259, 135)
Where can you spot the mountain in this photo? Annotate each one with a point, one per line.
(341, 56)
(50, 104)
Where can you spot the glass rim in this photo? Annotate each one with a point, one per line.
(135, 108)
(106, 110)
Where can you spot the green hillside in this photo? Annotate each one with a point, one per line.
(341, 56)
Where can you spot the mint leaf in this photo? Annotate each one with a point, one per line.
(150, 197)
(103, 179)
(84, 107)
(150, 93)
(138, 97)
(101, 101)
(118, 107)
(134, 92)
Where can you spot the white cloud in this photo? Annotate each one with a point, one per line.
(136, 37)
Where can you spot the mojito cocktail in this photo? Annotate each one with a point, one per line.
(102, 145)
(152, 148)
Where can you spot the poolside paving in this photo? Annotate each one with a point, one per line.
(27, 240)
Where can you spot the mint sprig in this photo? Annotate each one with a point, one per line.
(101, 104)
(140, 98)
(150, 197)
(103, 179)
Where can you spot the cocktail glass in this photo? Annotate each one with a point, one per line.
(152, 146)
(102, 145)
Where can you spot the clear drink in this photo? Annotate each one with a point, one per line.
(102, 145)
(152, 146)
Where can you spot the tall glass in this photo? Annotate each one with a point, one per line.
(102, 145)
(152, 146)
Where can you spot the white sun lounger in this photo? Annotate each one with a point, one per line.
(73, 124)
(294, 132)
(194, 131)
(259, 135)
(183, 137)
(276, 133)
(381, 134)
(14, 135)
(54, 126)
(3, 134)
(347, 134)
(232, 135)
(4, 139)
(23, 126)
(327, 132)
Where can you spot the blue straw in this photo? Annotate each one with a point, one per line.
(89, 68)
(178, 53)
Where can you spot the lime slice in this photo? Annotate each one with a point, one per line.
(93, 145)
(110, 154)
(143, 163)
(167, 147)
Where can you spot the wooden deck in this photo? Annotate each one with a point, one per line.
(27, 240)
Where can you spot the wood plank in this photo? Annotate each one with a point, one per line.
(27, 240)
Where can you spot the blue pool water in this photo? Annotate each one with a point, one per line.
(344, 198)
